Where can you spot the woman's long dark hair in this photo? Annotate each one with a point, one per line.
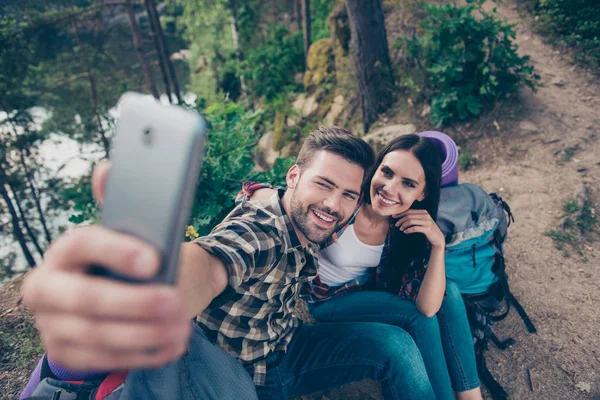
(409, 252)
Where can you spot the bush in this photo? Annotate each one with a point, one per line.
(579, 225)
(319, 26)
(228, 163)
(577, 22)
(469, 61)
(271, 67)
(466, 160)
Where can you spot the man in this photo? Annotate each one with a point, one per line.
(241, 281)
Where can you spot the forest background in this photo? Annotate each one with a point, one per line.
(264, 73)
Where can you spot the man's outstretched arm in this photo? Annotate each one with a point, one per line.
(88, 322)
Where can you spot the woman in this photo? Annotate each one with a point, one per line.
(393, 249)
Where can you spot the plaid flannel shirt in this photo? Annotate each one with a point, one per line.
(266, 265)
(316, 291)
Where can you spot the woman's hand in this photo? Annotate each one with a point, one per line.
(262, 195)
(412, 221)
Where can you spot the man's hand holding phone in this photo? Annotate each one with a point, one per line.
(89, 322)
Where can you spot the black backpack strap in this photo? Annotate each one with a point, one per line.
(502, 345)
(481, 302)
(496, 390)
(489, 334)
(509, 297)
(498, 200)
(530, 327)
(46, 372)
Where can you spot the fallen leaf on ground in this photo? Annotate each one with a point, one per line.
(584, 387)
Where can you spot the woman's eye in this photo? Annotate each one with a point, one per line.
(386, 173)
(409, 184)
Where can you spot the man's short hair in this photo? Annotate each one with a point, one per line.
(338, 141)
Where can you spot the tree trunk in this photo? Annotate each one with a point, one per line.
(93, 92)
(306, 26)
(292, 10)
(137, 43)
(165, 51)
(298, 6)
(236, 43)
(94, 99)
(30, 232)
(161, 60)
(36, 198)
(30, 183)
(370, 53)
(18, 233)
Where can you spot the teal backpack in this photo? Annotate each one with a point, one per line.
(475, 225)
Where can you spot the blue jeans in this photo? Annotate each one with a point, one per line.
(319, 357)
(206, 372)
(331, 354)
(445, 342)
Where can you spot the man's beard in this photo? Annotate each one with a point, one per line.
(300, 218)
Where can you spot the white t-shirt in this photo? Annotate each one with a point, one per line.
(348, 259)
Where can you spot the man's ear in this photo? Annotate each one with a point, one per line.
(292, 177)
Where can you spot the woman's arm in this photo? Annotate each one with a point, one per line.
(432, 289)
(431, 293)
(262, 195)
(253, 191)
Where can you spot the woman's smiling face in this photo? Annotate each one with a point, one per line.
(398, 182)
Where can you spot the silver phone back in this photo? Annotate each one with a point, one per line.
(156, 160)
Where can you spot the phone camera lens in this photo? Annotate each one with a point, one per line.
(147, 136)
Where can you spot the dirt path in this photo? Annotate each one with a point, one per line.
(529, 168)
(546, 148)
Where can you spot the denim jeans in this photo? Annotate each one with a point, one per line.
(445, 342)
(206, 372)
(319, 357)
(330, 354)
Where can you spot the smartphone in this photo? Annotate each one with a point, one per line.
(156, 158)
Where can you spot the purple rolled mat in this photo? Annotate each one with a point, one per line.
(448, 153)
(59, 372)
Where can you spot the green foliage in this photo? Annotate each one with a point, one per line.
(17, 77)
(319, 27)
(579, 223)
(276, 175)
(576, 22)
(7, 264)
(569, 152)
(206, 27)
(20, 346)
(228, 163)
(466, 160)
(271, 67)
(469, 60)
(78, 194)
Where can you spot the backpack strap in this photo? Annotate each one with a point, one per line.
(496, 390)
(52, 388)
(111, 383)
(500, 270)
(526, 320)
(498, 200)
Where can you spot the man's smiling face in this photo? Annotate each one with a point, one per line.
(325, 193)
